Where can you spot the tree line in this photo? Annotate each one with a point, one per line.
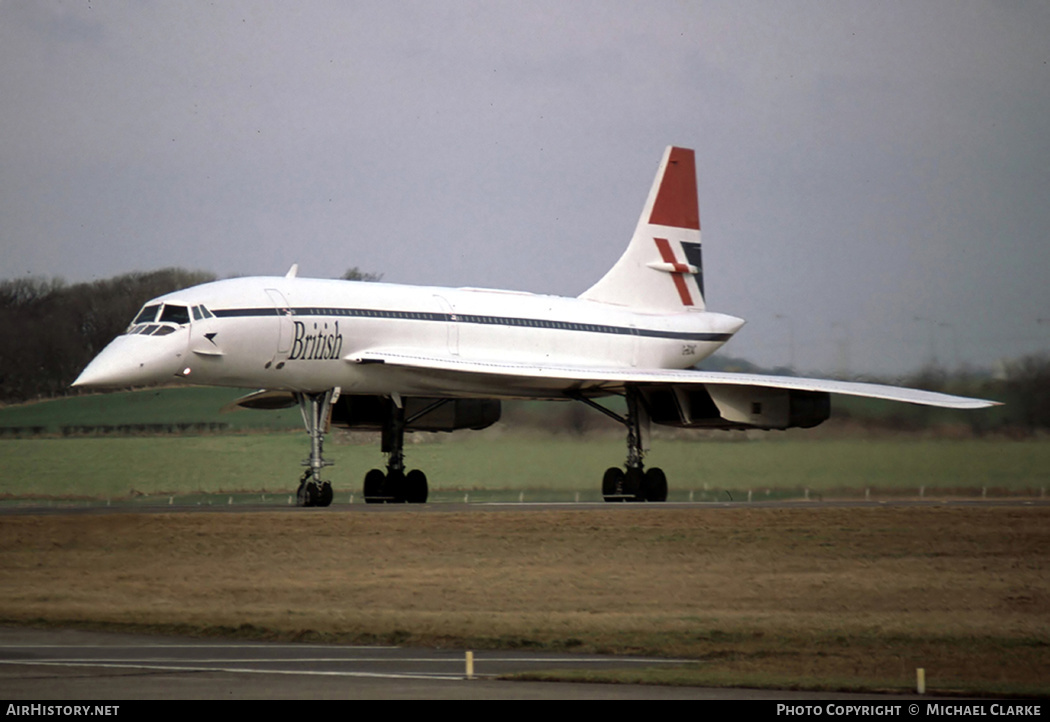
(51, 329)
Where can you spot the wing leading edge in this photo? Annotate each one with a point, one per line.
(564, 378)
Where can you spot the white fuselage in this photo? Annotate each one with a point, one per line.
(299, 334)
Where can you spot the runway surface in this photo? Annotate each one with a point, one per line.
(50, 664)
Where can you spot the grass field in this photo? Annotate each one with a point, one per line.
(542, 466)
(791, 598)
(151, 407)
(93, 447)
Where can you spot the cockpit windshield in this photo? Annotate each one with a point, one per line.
(147, 314)
(175, 314)
(160, 319)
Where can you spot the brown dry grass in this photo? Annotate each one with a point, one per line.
(859, 595)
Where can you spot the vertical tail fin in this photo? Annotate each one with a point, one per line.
(661, 270)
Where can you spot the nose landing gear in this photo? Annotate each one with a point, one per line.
(315, 409)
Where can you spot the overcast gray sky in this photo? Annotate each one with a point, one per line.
(874, 176)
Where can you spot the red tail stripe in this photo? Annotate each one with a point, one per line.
(667, 255)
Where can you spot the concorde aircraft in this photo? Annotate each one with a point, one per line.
(398, 358)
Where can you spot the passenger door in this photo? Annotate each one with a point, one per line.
(451, 325)
(285, 327)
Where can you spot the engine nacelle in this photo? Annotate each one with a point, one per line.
(421, 414)
(736, 407)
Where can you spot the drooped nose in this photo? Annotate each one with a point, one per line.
(134, 361)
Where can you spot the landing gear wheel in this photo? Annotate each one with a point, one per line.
(324, 495)
(394, 488)
(374, 486)
(632, 484)
(654, 485)
(415, 487)
(308, 493)
(612, 484)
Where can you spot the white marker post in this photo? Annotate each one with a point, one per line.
(470, 665)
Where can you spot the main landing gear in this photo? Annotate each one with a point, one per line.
(315, 409)
(395, 486)
(633, 482)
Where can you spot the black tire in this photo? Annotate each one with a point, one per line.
(654, 486)
(307, 494)
(416, 487)
(612, 484)
(633, 484)
(394, 488)
(325, 495)
(374, 480)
